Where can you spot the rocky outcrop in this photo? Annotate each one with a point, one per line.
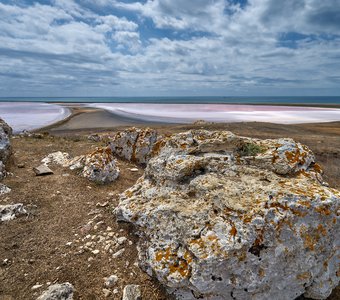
(99, 166)
(229, 217)
(62, 291)
(10, 212)
(5, 146)
(134, 144)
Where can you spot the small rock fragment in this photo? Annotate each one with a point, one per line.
(9, 212)
(42, 170)
(111, 281)
(107, 293)
(118, 253)
(132, 292)
(35, 287)
(62, 291)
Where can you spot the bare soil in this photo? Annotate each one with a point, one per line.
(60, 205)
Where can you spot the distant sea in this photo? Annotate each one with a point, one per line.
(312, 100)
(32, 113)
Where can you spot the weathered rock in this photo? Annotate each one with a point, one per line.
(229, 217)
(132, 292)
(134, 144)
(111, 281)
(42, 170)
(4, 189)
(10, 212)
(5, 146)
(62, 291)
(101, 166)
(58, 158)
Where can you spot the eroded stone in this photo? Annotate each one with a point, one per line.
(229, 217)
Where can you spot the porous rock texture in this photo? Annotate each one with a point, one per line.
(229, 217)
(99, 166)
(11, 211)
(134, 144)
(5, 146)
(63, 291)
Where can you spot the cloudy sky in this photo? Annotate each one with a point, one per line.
(169, 47)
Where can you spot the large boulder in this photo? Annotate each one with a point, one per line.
(134, 144)
(228, 217)
(5, 145)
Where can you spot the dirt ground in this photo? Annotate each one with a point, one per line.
(67, 211)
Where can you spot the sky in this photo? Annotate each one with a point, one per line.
(62, 48)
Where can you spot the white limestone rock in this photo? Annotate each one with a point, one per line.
(11, 211)
(63, 291)
(4, 189)
(101, 166)
(134, 144)
(229, 217)
(5, 146)
(58, 158)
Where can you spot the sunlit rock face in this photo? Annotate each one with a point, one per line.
(228, 217)
(134, 144)
(5, 146)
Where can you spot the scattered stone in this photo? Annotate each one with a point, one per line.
(223, 215)
(62, 291)
(69, 244)
(132, 292)
(37, 286)
(11, 211)
(4, 189)
(111, 281)
(121, 240)
(102, 204)
(107, 293)
(59, 158)
(42, 170)
(95, 252)
(118, 253)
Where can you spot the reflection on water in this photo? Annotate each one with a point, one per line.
(187, 113)
(23, 115)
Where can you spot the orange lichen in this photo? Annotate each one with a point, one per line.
(169, 259)
(233, 231)
(323, 210)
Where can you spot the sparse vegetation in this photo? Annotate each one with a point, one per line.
(250, 149)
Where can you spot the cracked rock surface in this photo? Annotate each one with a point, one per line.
(228, 217)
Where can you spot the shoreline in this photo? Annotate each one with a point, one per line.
(98, 116)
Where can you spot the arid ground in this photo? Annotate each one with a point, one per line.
(67, 211)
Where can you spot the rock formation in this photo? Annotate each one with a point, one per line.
(99, 166)
(5, 146)
(134, 144)
(228, 217)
